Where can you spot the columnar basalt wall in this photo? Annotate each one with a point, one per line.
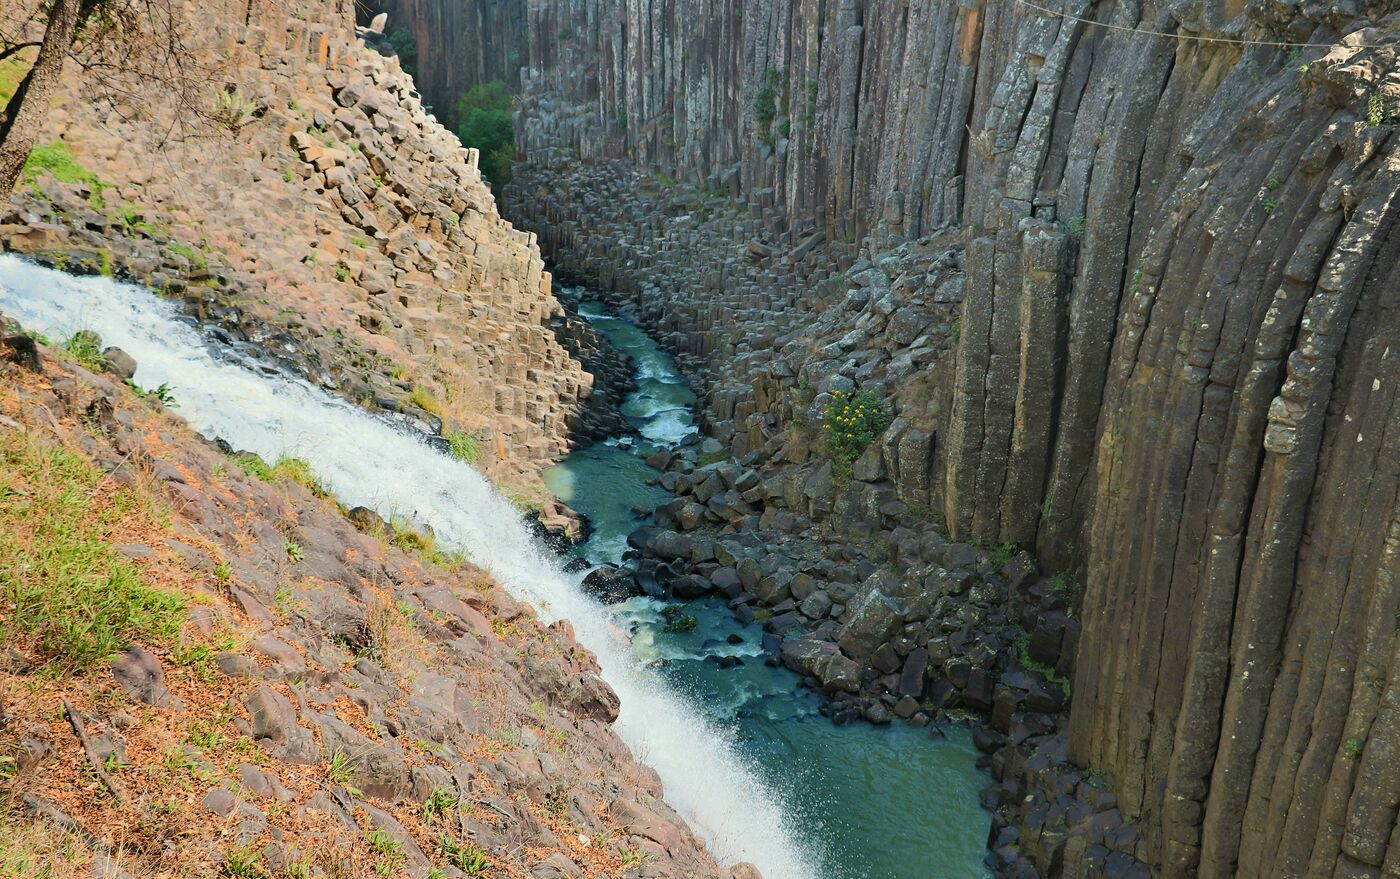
(1173, 369)
(485, 39)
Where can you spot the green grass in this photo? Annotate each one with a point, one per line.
(287, 469)
(38, 850)
(61, 581)
(55, 160)
(463, 446)
(85, 349)
(424, 400)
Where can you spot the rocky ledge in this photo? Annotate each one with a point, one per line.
(291, 695)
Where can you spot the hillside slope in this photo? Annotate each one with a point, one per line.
(290, 696)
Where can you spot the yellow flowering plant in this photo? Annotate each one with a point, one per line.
(852, 422)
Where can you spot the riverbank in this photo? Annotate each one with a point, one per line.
(299, 695)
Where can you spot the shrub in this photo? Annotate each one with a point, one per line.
(852, 422)
(406, 47)
(483, 120)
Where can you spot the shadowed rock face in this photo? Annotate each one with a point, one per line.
(1173, 365)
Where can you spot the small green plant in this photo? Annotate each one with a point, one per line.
(85, 349)
(463, 446)
(161, 394)
(359, 241)
(389, 858)
(244, 862)
(1353, 748)
(285, 600)
(765, 106)
(232, 110)
(293, 549)
(1076, 227)
(852, 423)
(633, 856)
(468, 857)
(342, 273)
(1023, 657)
(1375, 110)
(439, 804)
(1269, 205)
(955, 331)
(298, 870)
(287, 176)
(339, 771)
(1002, 554)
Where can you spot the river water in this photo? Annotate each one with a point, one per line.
(868, 802)
(742, 753)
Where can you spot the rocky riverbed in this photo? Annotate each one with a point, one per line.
(882, 799)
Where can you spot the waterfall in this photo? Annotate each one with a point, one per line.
(367, 461)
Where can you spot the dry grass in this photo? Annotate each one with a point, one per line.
(40, 851)
(62, 584)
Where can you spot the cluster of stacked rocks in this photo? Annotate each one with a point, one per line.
(707, 277)
(346, 685)
(335, 222)
(768, 324)
(894, 622)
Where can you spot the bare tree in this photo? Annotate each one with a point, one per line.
(24, 117)
(126, 51)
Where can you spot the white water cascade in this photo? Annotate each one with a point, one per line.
(368, 462)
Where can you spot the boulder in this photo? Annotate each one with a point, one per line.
(611, 584)
(119, 363)
(875, 617)
(139, 673)
(670, 545)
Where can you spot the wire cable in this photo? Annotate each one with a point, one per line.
(1196, 37)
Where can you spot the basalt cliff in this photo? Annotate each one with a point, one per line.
(1125, 272)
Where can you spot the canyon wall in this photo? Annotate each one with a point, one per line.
(1172, 370)
(302, 196)
(486, 41)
